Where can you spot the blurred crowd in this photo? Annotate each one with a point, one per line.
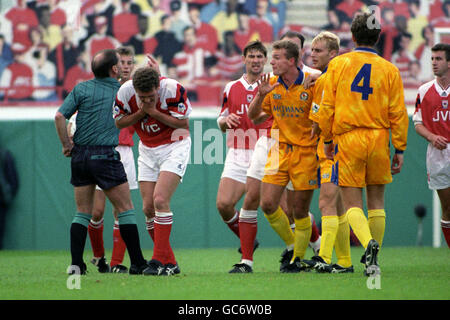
(46, 45)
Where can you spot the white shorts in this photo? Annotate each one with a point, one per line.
(259, 159)
(172, 157)
(236, 164)
(127, 158)
(438, 167)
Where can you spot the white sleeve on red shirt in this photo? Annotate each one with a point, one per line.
(173, 97)
(123, 96)
(423, 89)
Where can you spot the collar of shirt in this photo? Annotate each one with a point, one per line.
(366, 49)
(299, 79)
(108, 79)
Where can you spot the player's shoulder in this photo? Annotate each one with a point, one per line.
(169, 85)
(231, 84)
(424, 88)
(126, 91)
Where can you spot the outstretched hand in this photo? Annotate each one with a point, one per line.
(264, 86)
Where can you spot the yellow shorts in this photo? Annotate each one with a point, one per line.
(363, 158)
(290, 162)
(327, 168)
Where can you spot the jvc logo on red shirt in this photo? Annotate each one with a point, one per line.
(441, 115)
(150, 127)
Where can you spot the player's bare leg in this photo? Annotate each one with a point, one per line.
(229, 193)
(147, 189)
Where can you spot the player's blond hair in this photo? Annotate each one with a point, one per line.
(332, 41)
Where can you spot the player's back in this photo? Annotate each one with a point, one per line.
(364, 88)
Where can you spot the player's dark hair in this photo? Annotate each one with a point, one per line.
(293, 34)
(365, 29)
(442, 47)
(145, 79)
(291, 49)
(255, 45)
(103, 61)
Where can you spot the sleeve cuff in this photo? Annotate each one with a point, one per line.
(398, 151)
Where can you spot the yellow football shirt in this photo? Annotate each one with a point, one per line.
(290, 108)
(363, 90)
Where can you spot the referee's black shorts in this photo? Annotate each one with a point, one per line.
(98, 165)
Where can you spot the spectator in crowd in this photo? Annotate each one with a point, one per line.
(443, 21)
(179, 22)
(64, 56)
(168, 45)
(413, 79)
(124, 23)
(226, 20)
(142, 43)
(17, 78)
(57, 15)
(279, 6)
(423, 53)
(190, 62)
(264, 23)
(100, 40)
(209, 10)
(22, 19)
(152, 8)
(402, 57)
(206, 34)
(243, 34)
(334, 20)
(229, 60)
(79, 72)
(44, 75)
(350, 7)
(435, 9)
(416, 23)
(401, 24)
(6, 28)
(6, 55)
(51, 32)
(37, 40)
(104, 8)
(385, 44)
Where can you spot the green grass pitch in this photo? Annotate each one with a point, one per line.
(408, 273)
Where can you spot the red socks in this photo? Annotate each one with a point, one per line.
(95, 230)
(248, 228)
(233, 223)
(119, 246)
(162, 251)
